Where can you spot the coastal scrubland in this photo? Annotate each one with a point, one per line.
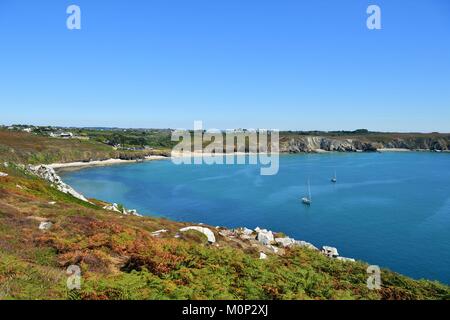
(26, 148)
(38, 146)
(121, 257)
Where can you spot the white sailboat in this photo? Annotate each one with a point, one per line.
(334, 179)
(307, 200)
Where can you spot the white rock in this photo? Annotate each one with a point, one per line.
(116, 208)
(262, 255)
(274, 249)
(158, 232)
(305, 244)
(227, 233)
(265, 237)
(45, 225)
(2, 174)
(330, 251)
(49, 174)
(113, 207)
(246, 237)
(247, 231)
(285, 242)
(133, 212)
(345, 259)
(6, 164)
(52, 203)
(208, 233)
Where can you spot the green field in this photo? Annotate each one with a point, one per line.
(26, 148)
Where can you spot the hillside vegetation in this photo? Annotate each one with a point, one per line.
(121, 259)
(99, 144)
(26, 148)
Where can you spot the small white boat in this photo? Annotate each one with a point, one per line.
(334, 179)
(308, 200)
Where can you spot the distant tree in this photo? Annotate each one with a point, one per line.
(361, 131)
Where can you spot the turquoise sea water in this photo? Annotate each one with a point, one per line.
(389, 209)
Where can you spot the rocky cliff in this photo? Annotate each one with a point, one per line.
(295, 144)
(48, 173)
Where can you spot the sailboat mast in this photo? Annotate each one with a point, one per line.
(309, 190)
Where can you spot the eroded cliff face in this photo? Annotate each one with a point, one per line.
(420, 143)
(48, 173)
(317, 143)
(314, 144)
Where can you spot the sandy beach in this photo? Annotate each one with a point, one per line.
(80, 164)
(109, 162)
(393, 150)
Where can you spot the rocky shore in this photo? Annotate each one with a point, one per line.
(309, 144)
(269, 242)
(266, 241)
(105, 162)
(48, 173)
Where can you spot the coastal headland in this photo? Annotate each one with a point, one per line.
(123, 255)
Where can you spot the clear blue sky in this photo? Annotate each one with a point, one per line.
(231, 63)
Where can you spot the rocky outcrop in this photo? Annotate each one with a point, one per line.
(433, 144)
(207, 232)
(314, 144)
(285, 242)
(344, 259)
(45, 225)
(318, 143)
(158, 233)
(266, 241)
(49, 174)
(331, 252)
(121, 209)
(264, 236)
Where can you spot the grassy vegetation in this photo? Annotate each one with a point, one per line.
(26, 148)
(98, 144)
(120, 259)
(157, 138)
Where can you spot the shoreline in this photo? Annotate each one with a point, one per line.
(98, 163)
(114, 161)
(78, 165)
(266, 240)
(81, 165)
(397, 150)
(410, 150)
